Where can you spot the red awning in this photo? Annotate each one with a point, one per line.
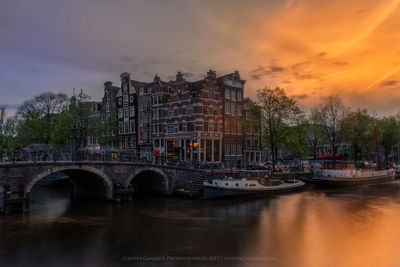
(329, 156)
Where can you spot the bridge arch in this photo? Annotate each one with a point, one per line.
(72, 170)
(149, 179)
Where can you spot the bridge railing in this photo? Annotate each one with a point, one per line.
(100, 156)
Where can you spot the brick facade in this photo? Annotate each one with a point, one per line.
(200, 121)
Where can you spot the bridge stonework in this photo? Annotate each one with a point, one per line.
(94, 179)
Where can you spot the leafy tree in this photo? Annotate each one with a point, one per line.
(297, 141)
(278, 112)
(390, 133)
(62, 129)
(36, 115)
(7, 130)
(332, 115)
(359, 133)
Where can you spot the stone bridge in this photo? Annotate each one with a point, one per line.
(95, 179)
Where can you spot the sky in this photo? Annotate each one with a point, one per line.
(311, 48)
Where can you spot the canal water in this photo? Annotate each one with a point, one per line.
(343, 227)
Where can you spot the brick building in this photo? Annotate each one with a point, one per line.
(200, 121)
(126, 112)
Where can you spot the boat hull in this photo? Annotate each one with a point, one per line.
(340, 182)
(211, 192)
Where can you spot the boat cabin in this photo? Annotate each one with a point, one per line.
(339, 165)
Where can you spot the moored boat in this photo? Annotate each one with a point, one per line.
(255, 183)
(347, 174)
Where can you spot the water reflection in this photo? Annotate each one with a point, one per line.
(351, 227)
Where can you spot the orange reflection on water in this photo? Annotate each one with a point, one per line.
(313, 229)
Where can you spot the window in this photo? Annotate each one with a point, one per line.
(233, 149)
(216, 127)
(205, 126)
(160, 128)
(190, 127)
(211, 95)
(141, 91)
(170, 113)
(255, 142)
(239, 110)
(108, 107)
(227, 149)
(180, 111)
(132, 111)
(120, 113)
(239, 127)
(227, 108)
(125, 99)
(194, 95)
(189, 111)
(233, 95)
(233, 108)
(239, 150)
(205, 110)
(156, 88)
(160, 113)
(171, 128)
(233, 125)
(107, 95)
(141, 104)
(248, 142)
(239, 96)
(180, 127)
(121, 127)
(126, 111)
(126, 127)
(227, 125)
(132, 126)
(131, 98)
(227, 94)
(216, 112)
(119, 101)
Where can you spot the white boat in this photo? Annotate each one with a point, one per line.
(216, 188)
(346, 173)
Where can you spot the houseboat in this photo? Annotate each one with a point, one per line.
(341, 173)
(254, 182)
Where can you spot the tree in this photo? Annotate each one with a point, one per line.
(390, 133)
(278, 112)
(359, 133)
(7, 130)
(297, 141)
(331, 115)
(314, 134)
(36, 116)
